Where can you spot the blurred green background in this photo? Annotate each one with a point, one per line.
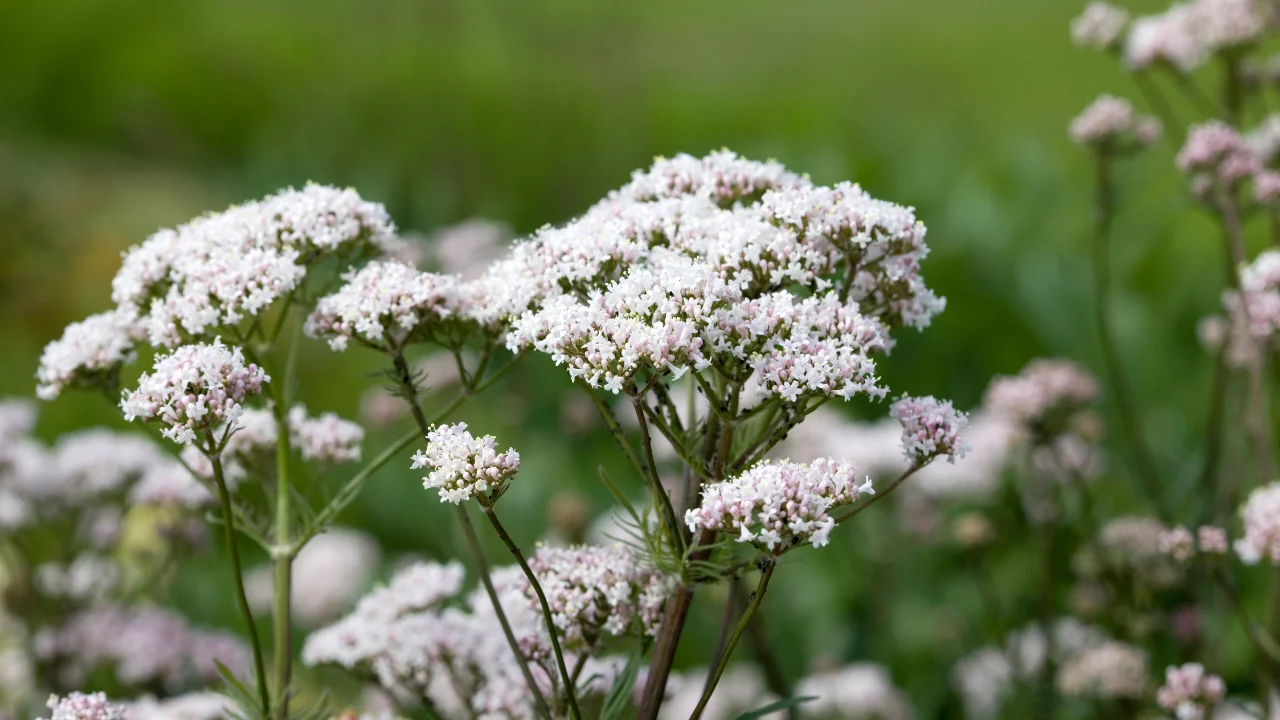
(118, 117)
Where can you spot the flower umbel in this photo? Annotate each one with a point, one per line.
(779, 506)
(465, 466)
(193, 389)
(930, 428)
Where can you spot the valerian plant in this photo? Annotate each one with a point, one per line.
(752, 293)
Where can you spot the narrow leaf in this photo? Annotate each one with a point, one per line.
(775, 707)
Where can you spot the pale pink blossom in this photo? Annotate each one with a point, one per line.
(930, 428)
(777, 506)
(90, 353)
(194, 389)
(1099, 26)
(1188, 691)
(1178, 542)
(220, 268)
(594, 591)
(78, 706)
(382, 305)
(1213, 540)
(464, 466)
(1261, 515)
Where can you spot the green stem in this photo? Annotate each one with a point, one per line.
(1258, 423)
(228, 532)
(766, 573)
(405, 378)
(1140, 454)
(660, 496)
(546, 608)
(482, 565)
(283, 553)
(352, 488)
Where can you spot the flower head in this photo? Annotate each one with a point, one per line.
(1216, 152)
(325, 438)
(464, 465)
(1099, 26)
(1261, 514)
(1111, 119)
(382, 305)
(1188, 691)
(930, 428)
(193, 389)
(222, 267)
(89, 353)
(1178, 542)
(778, 506)
(1165, 39)
(599, 590)
(1110, 670)
(1213, 540)
(79, 706)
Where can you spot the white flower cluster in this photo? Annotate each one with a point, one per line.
(79, 706)
(594, 591)
(383, 304)
(325, 438)
(1138, 545)
(220, 268)
(145, 646)
(1110, 119)
(464, 466)
(90, 353)
(1261, 514)
(1111, 670)
(1099, 26)
(88, 477)
(467, 248)
(414, 645)
(193, 389)
(87, 578)
(1189, 691)
(930, 428)
(1044, 387)
(777, 506)
(1179, 543)
(691, 264)
(1215, 153)
(721, 176)
(985, 679)
(1187, 34)
(1256, 306)
(861, 691)
(329, 573)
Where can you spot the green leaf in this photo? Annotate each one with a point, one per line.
(619, 697)
(245, 701)
(775, 707)
(618, 495)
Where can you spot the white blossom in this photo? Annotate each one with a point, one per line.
(930, 428)
(89, 353)
(194, 389)
(1261, 514)
(464, 465)
(777, 506)
(1188, 691)
(383, 304)
(79, 706)
(1100, 25)
(221, 268)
